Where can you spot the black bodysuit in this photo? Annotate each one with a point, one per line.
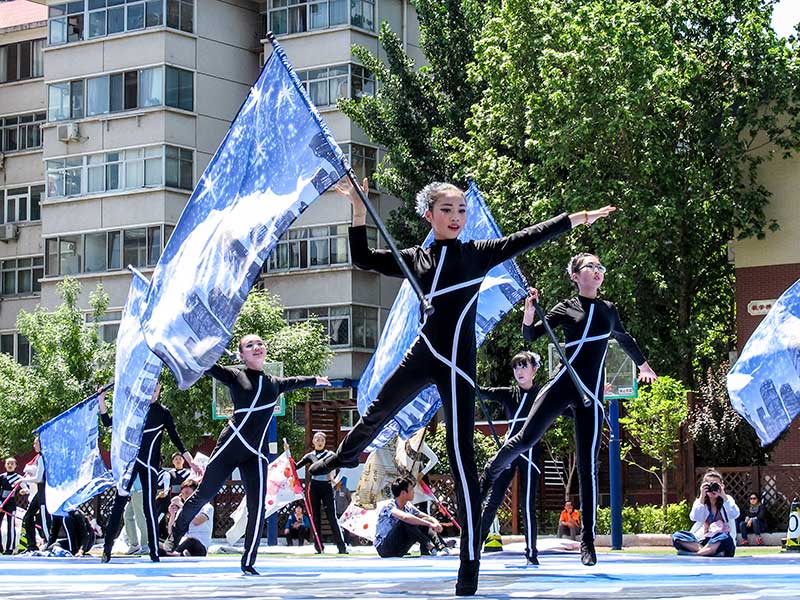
(516, 403)
(450, 272)
(146, 467)
(242, 444)
(320, 494)
(587, 325)
(8, 506)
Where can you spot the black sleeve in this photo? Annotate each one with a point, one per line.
(169, 425)
(762, 513)
(556, 317)
(287, 384)
(371, 259)
(105, 419)
(306, 460)
(625, 339)
(226, 375)
(500, 395)
(504, 248)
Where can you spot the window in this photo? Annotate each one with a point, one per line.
(100, 251)
(326, 85)
(18, 346)
(336, 319)
(22, 275)
(21, 132)
(118, 92)
(180, 15)
(107, 324)
(364, 160)
(123, 169)
(179, 89)
(107, 17)
(365, 327)
(21, 60)
(312, 247)
(65, 100)
(296, 16)
(21, 204)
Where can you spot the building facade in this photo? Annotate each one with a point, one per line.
(111, 110)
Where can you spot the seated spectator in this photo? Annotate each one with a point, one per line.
(401, 524)
(714, 514)
(198, 536)
(754, 520)
(569, 523)
(298, 526)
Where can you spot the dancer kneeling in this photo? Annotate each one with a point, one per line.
(243, 443)
(401, 524)
(450, 272)
(517, 403)
(587, 322)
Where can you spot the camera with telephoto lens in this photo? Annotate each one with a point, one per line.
(713, 487)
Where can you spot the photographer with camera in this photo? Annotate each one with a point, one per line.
(714, 514)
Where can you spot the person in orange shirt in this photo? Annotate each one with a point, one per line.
(569, 523)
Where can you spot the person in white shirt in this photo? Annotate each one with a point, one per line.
(198, 537)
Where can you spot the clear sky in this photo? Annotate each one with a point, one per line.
(785, 16)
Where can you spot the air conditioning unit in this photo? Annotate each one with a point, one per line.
(69, 133)
(8, 232)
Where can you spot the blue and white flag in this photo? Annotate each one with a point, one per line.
(74, 470)
(764, 383)
(276, 159)
(502, 288)
(136, 373)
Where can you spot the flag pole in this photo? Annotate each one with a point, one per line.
(427, 308)
(587, 402)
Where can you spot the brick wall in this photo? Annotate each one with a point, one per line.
(765, 283)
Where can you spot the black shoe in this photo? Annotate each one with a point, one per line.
(588, 555)
(467, 583)
(532, 560)
(343, 550)
(154, 558)
(105, 556)
(250, 571)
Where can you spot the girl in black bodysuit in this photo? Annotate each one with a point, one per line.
(517, 402)
(243, 442)
(451, 273)
(587, 321)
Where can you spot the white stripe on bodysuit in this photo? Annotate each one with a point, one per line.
(528, 524)
(236, 430)
(261, 496)
(513, 422)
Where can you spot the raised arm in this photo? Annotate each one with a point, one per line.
(504, 248)
(533, 331)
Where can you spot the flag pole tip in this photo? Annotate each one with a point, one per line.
(270, 36)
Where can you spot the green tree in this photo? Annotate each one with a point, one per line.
(69, 360)
(303, 348)
(653, 420)
(559, 442)
(664, 109)
(485, 448)
(722, 438)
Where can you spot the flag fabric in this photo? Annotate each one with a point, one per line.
(74, 470)
(136, 373)
(764, 383)
(502, 288)
(360, 521)
(283, 484)
(277, 158)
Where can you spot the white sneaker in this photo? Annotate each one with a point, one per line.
(143, 550)
(134, 549)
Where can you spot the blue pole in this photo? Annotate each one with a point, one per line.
(615, 475)
(272, 521)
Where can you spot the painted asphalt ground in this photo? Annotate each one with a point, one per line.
(366, 577)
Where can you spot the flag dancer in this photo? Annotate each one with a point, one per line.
(588, 322)
(10, 487)
(450, 272)
(146, 467)
(243, 442)
(517, 402)
(36, 514)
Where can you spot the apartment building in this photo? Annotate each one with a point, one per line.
(110, 111)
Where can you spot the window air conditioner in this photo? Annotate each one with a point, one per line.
(8, 232)
(69, 133)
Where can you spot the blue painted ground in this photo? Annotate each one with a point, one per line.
(366, 577)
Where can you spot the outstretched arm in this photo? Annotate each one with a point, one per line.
(287, 384)
(631, 348)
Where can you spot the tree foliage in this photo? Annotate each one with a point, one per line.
(722, 438)
(69, 360)
(303, 348)
(485, 448)
(653, 421)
